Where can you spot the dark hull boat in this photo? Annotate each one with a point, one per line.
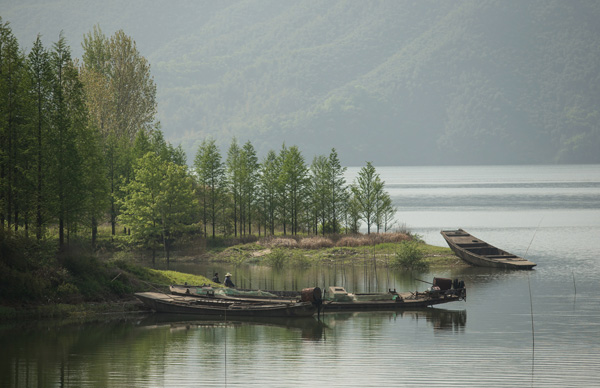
(481, 254)
(177, 304)
(443, 291)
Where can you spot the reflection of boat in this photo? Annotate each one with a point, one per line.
(442, 291)
(310, 327)
(177, 304)
(479, 253)
(440, 319)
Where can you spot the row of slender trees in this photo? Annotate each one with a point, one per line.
(80, 147)
(67, 129)
(284, 193)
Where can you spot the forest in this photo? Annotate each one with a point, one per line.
(81, 148)
(394, 82)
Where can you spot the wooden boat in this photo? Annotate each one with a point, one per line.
(176, 304)
(442, 291)
(234, 294)
(481, 254)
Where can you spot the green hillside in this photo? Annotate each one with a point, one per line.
(393, 82)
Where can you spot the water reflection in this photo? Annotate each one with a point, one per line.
(310, 327)
(438, 319)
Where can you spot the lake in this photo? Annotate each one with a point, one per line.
(536, 328)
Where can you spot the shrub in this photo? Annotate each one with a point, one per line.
(276, 258)
(352, 241)
(410, 256)
(298, 259)
(282, 242)
(315, 243)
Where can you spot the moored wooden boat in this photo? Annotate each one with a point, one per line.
(177, 304)
(337, 299)
(443, 291)
(481, 254)
(250, 296)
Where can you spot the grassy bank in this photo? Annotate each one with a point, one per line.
(307, 251)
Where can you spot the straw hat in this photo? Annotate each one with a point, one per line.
(227, 274)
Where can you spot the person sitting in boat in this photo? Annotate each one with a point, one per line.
(228, 282)
(216, 278)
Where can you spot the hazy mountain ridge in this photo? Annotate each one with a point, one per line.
(406, 82)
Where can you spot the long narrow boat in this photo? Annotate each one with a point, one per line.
(249, 296)
(177, 304)
(443, 291)
(481, 254)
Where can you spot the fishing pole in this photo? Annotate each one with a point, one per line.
(534, 233)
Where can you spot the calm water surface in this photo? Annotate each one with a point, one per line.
(549, 214)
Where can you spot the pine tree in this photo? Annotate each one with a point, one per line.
(41, 76)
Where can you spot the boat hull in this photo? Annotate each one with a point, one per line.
(175, 304)
(405, 301)
(481, 254)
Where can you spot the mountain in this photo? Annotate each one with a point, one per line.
(392, 82)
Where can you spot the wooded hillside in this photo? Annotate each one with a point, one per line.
(395, 82)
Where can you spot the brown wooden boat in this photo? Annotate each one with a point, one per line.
(481, 254)
(178, 304)
(337, 299)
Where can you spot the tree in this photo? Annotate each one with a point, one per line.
(211, 174)
(234, 176)
(384, 211)
(69, 120)
(319, 183)
(158, 204)
(269, 183)
(366, 190)
(41, 77)
(14, 130)
(121, 97)
(337, 190)
(293, 181)
(249, 167)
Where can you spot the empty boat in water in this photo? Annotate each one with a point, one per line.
(178, 304)
(481, 254)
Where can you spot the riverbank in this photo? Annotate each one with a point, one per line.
(79, 284)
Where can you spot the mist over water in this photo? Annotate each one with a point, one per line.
(549, 214)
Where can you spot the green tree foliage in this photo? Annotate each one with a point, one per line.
(121, 97)
(367, 191)
(293, 181)
(41, 92)
(234, 179)
(249, 185)
(211, 174)
(410, 256)
(159, 204)
(338, 192)
(68, 138)
(270, 171)
(319, 181)
(15, 184)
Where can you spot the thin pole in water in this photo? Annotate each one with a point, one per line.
(534, 233)
(531, 309)
(574, 285)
